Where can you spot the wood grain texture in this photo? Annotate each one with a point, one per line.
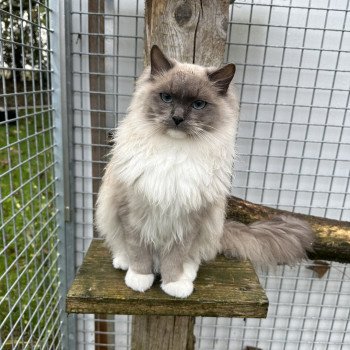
(223, 287)
(162, 333)
(98, 124)
(332, 236)
(97, 91)
(189, 31)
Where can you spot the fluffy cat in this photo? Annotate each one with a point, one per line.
(161, 206)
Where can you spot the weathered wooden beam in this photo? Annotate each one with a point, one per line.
(163, 333)
(98, 123)
(332, 236)
(189, 31)
(97, 91)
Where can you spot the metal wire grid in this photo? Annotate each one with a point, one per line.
(29, 283)
(293, 80)
(122, 61)
(305, 312)
(293, 144)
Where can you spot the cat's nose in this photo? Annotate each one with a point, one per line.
(177, 120)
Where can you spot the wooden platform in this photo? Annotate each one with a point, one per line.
(226, 288)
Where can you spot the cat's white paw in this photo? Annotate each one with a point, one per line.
(180, 289)
(190, 270)
(137, 281)
(121, 262)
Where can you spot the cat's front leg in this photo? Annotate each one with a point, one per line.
(139, 276)
(178, 273)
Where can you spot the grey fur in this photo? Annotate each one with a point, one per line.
(282, 240)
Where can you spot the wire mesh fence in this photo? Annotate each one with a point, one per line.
(293, 74)
(29, 282)
(293, 82)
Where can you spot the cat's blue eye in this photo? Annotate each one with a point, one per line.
(199, 104)
(166, 97)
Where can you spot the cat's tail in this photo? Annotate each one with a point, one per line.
(281, 240)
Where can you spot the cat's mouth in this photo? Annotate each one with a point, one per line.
(181, 131)
(176, 133)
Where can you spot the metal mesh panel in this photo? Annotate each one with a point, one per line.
(107, 55)
(292, 77)
(305, 312)
(29, 283)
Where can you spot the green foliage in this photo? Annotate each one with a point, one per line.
(23, 32)
(28, 243)
(24, 54)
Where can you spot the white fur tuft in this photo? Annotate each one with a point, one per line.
(121, 262)
(179, 289)
(176, 134)
(190, 270)
(183, 287)
(137, 281)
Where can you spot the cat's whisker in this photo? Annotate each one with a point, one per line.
(209, 137)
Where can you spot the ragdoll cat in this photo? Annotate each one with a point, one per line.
(161, 206)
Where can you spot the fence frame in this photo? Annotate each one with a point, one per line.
(63, 135)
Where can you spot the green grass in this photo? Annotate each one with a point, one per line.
(28, 239)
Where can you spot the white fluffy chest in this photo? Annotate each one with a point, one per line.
(184, 180)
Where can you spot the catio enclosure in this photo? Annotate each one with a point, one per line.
(67, 71)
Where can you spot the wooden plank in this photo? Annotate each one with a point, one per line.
(189, 31)
(98, 124)
(99, 137)
(332, 236)
(223, 287)
(162, 333)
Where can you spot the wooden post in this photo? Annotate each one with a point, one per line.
(189, 31)
(194, 32)
(97, 91)
(162, 332)
(98, 124)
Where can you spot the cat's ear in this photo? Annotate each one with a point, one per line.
(222, 77)
(159, 62)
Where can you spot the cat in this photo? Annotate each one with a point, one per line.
(161, 205)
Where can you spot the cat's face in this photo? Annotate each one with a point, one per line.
(184, 99)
